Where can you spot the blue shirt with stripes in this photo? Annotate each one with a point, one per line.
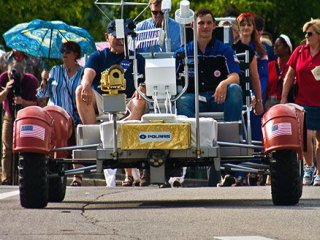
(61, 90)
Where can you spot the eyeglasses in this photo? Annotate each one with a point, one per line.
(157, 12)
(308, 34)
(66, 51)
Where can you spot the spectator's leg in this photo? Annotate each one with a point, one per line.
(128, 181)
(87, 112)
(137, 107)
(318, 151)
(308, 155)
(233, 103)
(7, 150)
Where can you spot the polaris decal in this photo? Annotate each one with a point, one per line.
(155, 136)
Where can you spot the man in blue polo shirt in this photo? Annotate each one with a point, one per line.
(88, 94)
(218, 67)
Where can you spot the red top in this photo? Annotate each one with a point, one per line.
(308, 88)
(276, 77)
(29, 85)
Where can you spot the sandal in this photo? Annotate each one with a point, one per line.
(128, 182)
(76, 182)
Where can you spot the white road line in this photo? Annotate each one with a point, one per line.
(241, 238)
(8, 194)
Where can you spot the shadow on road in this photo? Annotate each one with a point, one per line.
(226, 204)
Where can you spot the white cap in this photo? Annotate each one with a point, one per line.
(287, 40)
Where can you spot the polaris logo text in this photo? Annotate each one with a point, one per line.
(155, 136)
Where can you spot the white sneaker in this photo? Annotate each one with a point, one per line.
(316, 181)
(308, 175)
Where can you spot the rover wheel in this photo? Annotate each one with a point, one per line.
(33, 180)
(286, 180)
(57, 185)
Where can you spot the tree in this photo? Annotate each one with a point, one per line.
(79, 13)
(286, 16)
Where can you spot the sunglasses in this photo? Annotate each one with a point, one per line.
(66, 51)
(157, 12)
(308, 34)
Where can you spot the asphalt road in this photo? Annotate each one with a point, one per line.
(153, 213)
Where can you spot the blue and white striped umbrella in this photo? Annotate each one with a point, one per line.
(43, 38)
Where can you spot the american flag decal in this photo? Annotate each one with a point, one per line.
(280, 129)
(33, 131)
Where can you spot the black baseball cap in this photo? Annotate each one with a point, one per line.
(129, 27)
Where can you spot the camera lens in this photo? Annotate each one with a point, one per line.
(115, 75)
(15, 74)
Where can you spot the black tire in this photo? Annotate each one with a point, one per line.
(286, 180)
(57, 185)
(33, 180)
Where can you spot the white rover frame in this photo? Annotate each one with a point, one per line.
(163, 90)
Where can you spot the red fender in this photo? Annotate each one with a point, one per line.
(283, 127)
(32, 131)
(62, 128)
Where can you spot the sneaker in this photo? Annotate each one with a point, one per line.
(145, 178)
(165, 185)
(308, 175)
(175, 182)
(6, 182)
(227, 181)
(316, 181)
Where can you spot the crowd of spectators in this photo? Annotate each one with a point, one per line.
(279, 73)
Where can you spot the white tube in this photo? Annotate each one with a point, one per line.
(184, 8)
(166, 5)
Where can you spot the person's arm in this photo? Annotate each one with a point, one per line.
(256, 87)
(23, 102)
(86, 82)
(28, 92)
(6, 90)
(233, 67)
(43, 91)
(221, 90)
(44, 79)
(287, 84)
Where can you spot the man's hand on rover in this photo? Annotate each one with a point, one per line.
(257, 105)
(221, 93)
(87, 94)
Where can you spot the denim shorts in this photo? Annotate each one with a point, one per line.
(313, 117)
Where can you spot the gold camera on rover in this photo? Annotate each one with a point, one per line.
(112, 80)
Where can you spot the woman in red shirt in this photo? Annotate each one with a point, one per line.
(278, 68)
(304, 64)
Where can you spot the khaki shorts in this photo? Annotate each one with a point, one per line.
(99, 102)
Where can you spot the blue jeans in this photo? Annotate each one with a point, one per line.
(232, 106)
